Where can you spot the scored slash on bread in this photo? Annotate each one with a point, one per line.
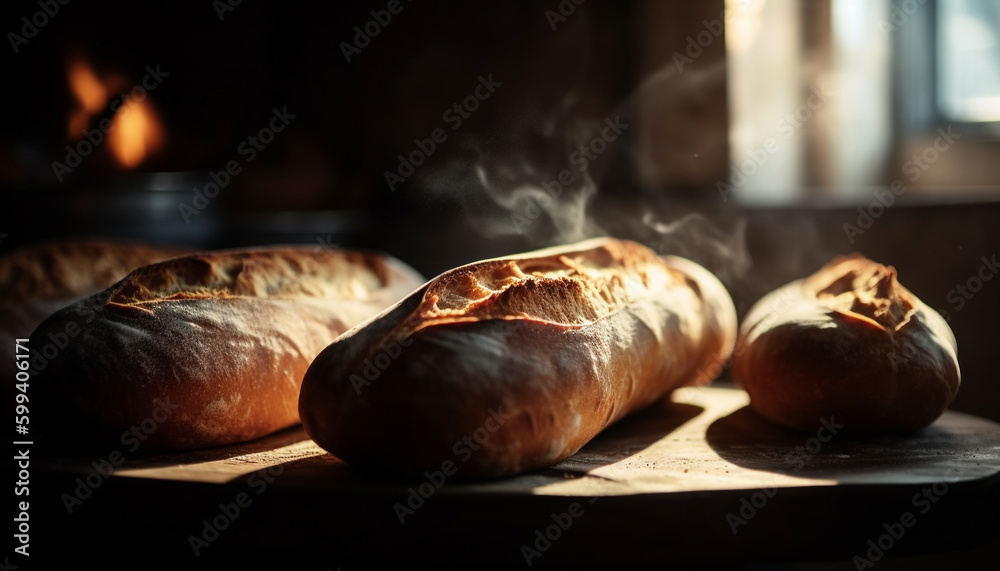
(560, 343)
(65, 270)
(225, 336)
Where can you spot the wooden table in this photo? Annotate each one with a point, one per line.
(698, 479)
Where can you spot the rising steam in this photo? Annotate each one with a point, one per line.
(557, 178)
(532, 208)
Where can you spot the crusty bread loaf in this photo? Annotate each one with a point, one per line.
(39, 279)
(71, 268)
(512, 364)
(850, 343)
(219, 339)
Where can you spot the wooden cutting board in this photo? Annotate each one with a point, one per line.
(698, 478)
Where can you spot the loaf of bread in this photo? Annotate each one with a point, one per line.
(39, 279)
(508, 365)
(848, 343)
(204, 349)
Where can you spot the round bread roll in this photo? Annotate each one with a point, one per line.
(848, 343)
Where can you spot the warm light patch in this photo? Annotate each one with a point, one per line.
(135, 130)
(135, 133)
(90, 95)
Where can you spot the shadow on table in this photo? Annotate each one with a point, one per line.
(619, 441)
(69, 456)
(748, 440)
(627, 437)
(301, 464)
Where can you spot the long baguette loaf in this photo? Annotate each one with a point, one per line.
(508, 365)
(211, 346)
(68, 269)
(848, 342)
(39, 279)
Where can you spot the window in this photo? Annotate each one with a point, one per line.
(968, 57)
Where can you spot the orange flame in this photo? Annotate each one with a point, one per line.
(89, 92)
(135, 133)
(135, 130)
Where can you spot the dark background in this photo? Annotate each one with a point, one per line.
(322, 179)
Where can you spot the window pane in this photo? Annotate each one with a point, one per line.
(969, 59)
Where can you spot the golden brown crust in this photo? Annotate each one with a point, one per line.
(257, 273)
(528, 356)
(848, 342)
(858, 286)
(579, 289)
(38, 280)
(224, 336)
(65, 270)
